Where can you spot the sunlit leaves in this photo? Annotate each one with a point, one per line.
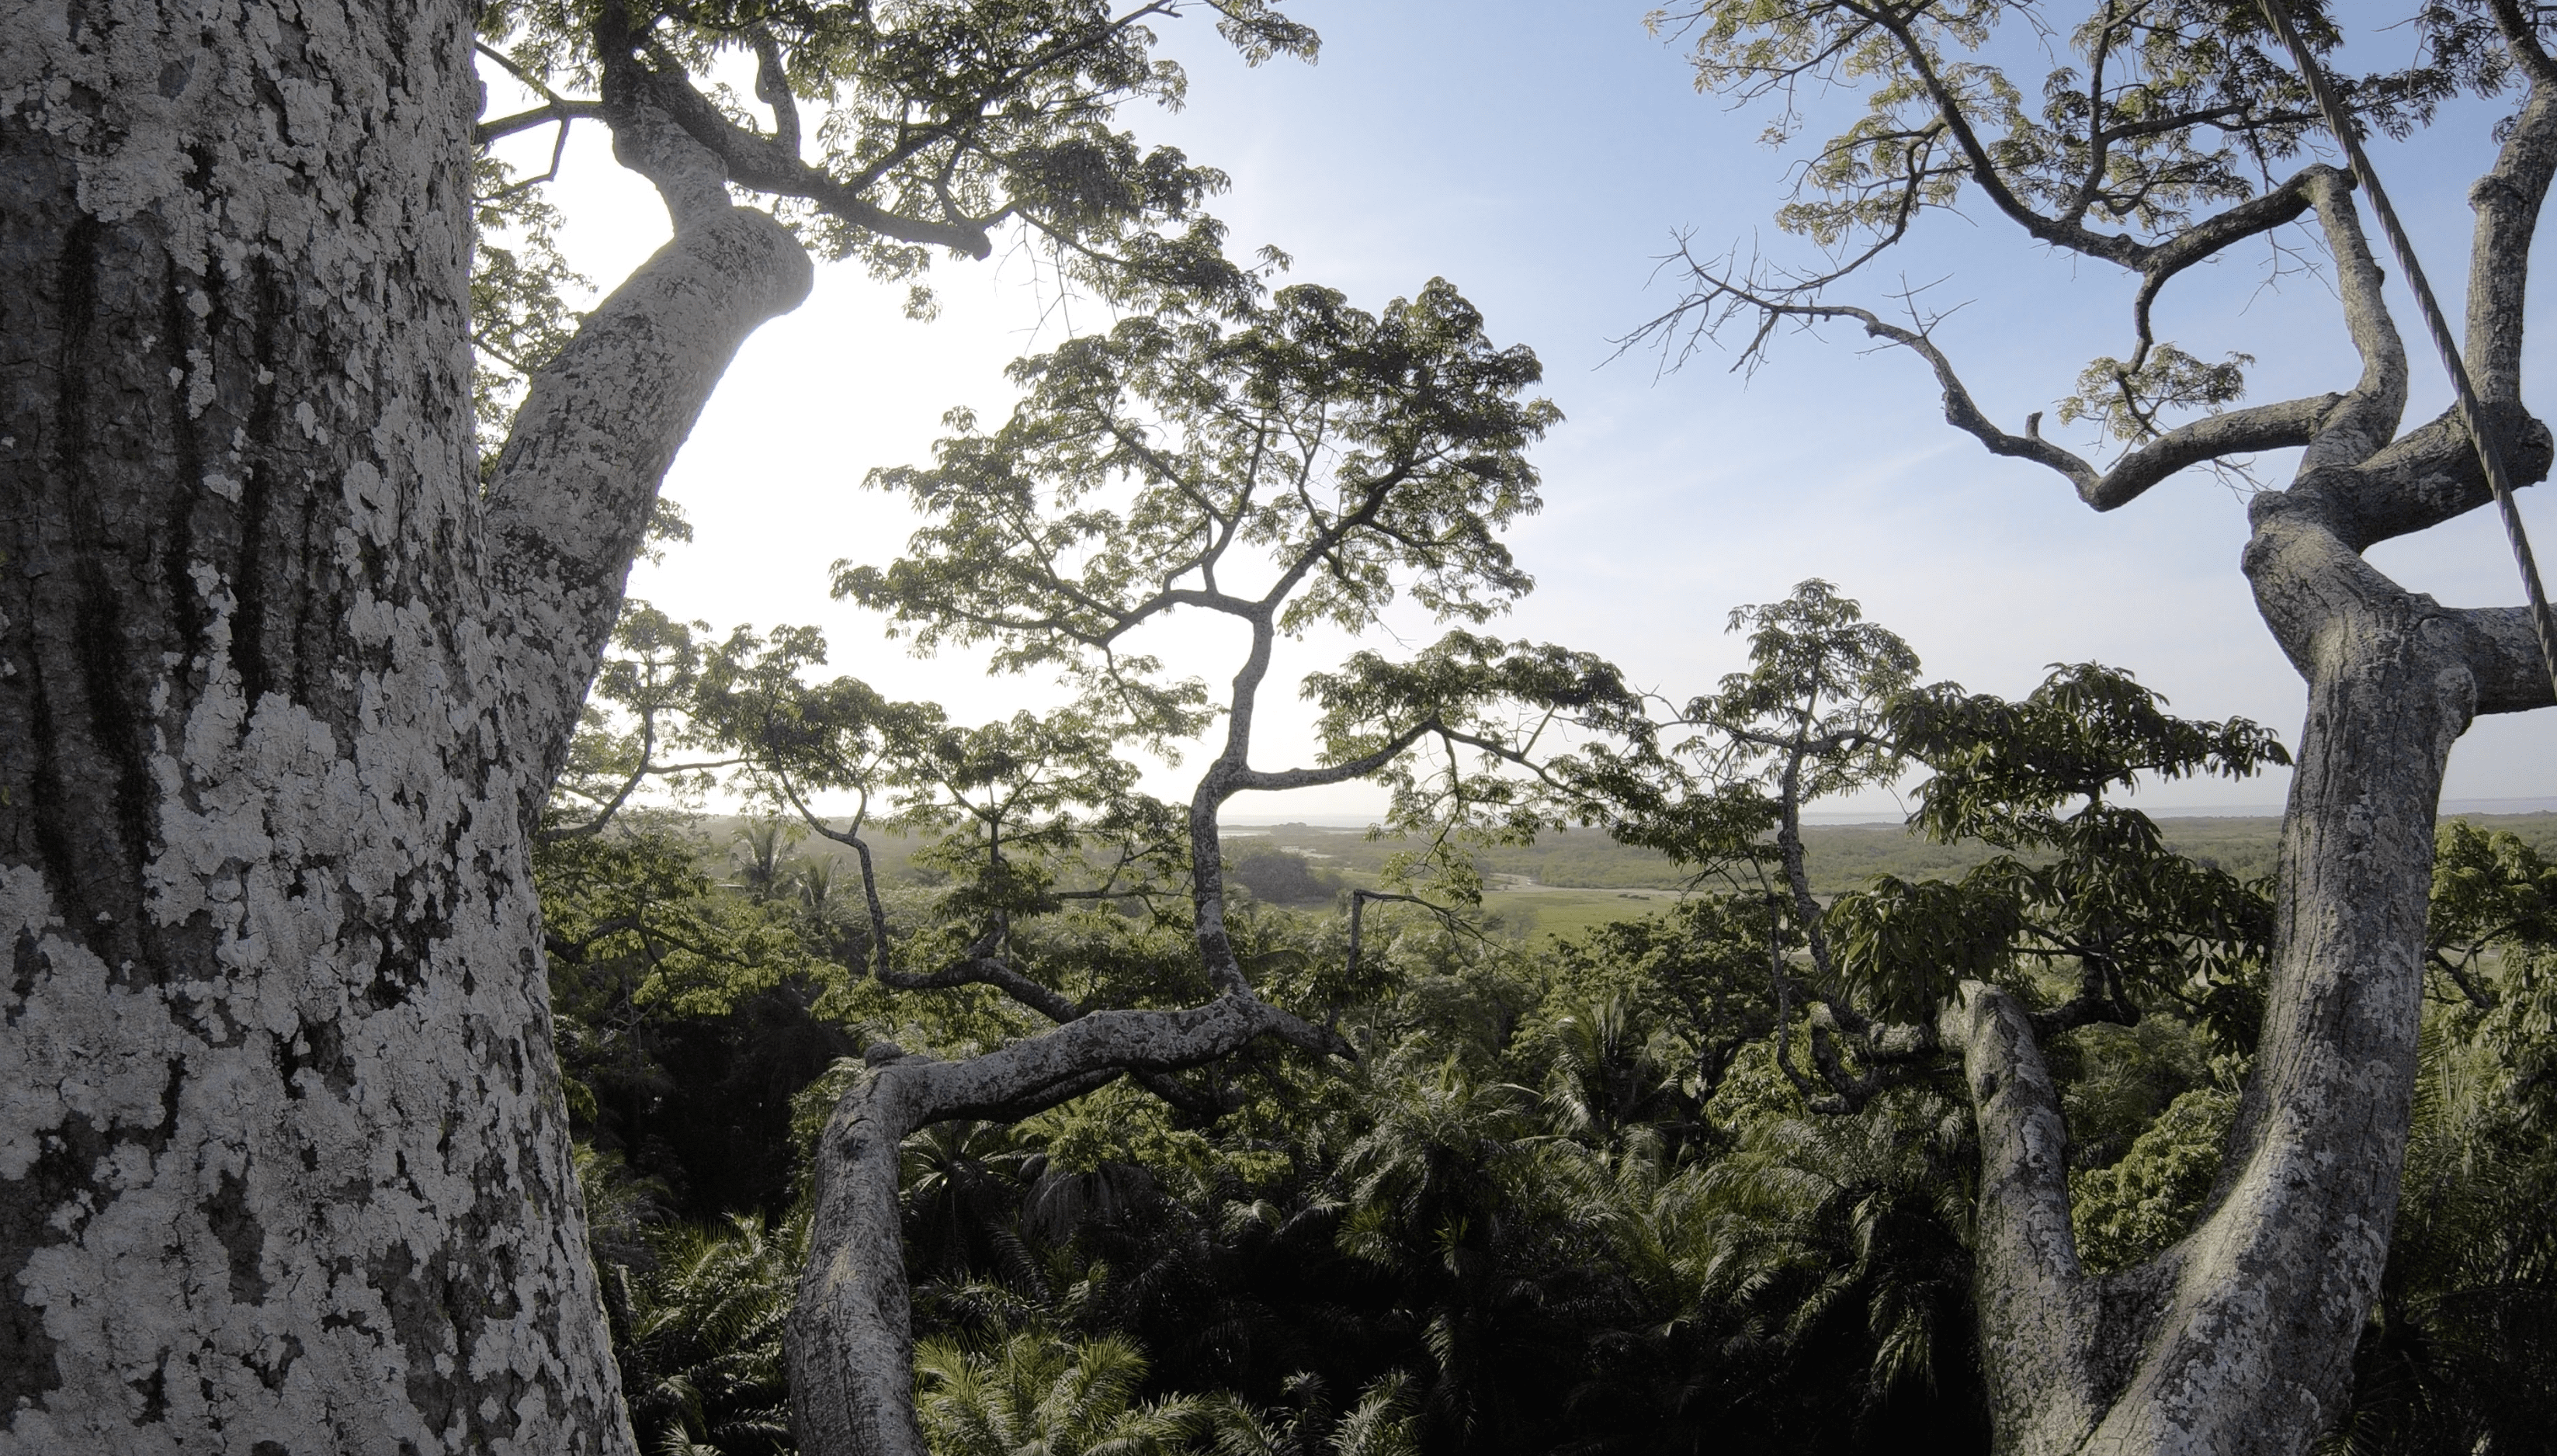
(1903, 945)
(521, 288)
(964, 115)
(1042, 1392)
(2137, 1207)
(1819, 675)
(2489, 886)
(1309, 459)
(2130, 401)
(1803, 722)
(2004, 770)
(1012, 811)
(2158, 108)
(2090, 885)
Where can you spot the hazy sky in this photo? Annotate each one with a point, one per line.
(1541, 155)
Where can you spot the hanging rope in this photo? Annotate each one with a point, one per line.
(2471, 413)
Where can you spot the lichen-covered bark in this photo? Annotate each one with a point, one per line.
(2038, 1317)
(283, 1162)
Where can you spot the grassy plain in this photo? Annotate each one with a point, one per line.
(1568, 882)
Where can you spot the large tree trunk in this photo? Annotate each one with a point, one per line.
(283, 1162)
(2239, 1339)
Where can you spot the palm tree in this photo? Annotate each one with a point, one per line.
(1040, 1395)
(2461, 1354)
(1853, 1233)
(704, 1367)
(1436, 1192)
(1604, 1071)
(1380, 1424)
(763, 859)
(963, 1185)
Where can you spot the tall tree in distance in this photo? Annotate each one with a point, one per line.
(2144, 155)
(1302, 462)
(286, 670)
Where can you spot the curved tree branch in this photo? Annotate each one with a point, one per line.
(2508, 200)
(569, 498)
(2213, 436)
(850, 1345)
(2369, 415)
(771, 164)
(2208, 238)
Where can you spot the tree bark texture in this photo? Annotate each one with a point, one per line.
(284, 1169)
(2238, 1340)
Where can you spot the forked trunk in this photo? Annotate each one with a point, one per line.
(2238, 1340)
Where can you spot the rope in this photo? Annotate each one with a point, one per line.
(2472, 413)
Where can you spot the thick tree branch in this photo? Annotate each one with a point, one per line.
(2209, 237)
(2521, 38)
(2501, 652)
(2368, 416)
(569, 501)
(771, 164)
(2508, 200)
(977, 968)
(1333, 773)
(2429, 476)
(2039, 1320)
(2288, 423)
(851, 1346)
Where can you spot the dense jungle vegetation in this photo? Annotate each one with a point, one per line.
(1575, 1193)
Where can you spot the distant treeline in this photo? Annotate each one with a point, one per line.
(1841, 856)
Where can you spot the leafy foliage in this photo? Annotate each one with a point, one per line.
(701, 1348)
(1039, 1392)
(1348, 450)
(938, 124)
(2138, 1206)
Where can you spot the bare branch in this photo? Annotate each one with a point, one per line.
(772, 87)
(560, 112)
(2369, 415)
(2508, 200)
(1334, 773)
(2208, 238)
(2429, 476)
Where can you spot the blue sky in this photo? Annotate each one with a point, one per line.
(1541, 155)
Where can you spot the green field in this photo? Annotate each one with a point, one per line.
(1567, 882)
(1571, 881)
